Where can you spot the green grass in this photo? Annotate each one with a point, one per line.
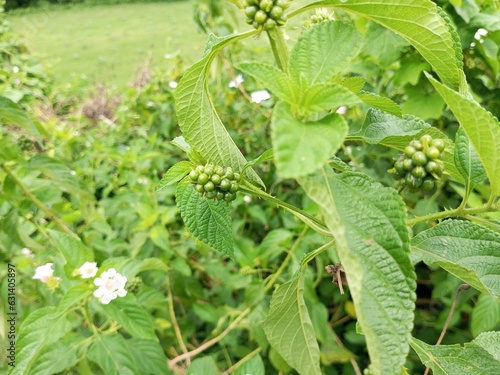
(107, 44)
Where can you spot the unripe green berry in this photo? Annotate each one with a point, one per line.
(432, 153)
(219, 196)
(428, 184)
(419, 158)
(237, 177)
(203, 178)
(229, 197)
(270, 24)
(284, 4)
(216, 179)
(193, 175)
(418, 172)
(426, 140)
(229, 174)
(210, 194)
(251, 2)
(225, 185)
(260, 17)
(432, 167)
(417, 145)
(200, 168)
(266, 5)
(209, 186)
(439, 144)
(234, 188)
(199, 188)
(251, 11)
(209, 169)
(219, 170)
(409, 151)
(276, 12)
(407, 165)
(255, 24)
(398, 166)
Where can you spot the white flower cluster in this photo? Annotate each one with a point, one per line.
(45, 274)
(110, 285)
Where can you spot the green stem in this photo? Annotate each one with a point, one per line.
(279, 48)
(302, 215)
(313, 254)
(48, 213)
(453, 213)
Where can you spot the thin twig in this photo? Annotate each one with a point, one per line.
(177, 330)
(354, 364)
(448, 319)
(250, 355)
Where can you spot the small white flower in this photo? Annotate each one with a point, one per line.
(172, 84)
(27, 253)
(286, 36)
(44, 273)
(110, 285)
(247, 198)
(480, 33)
(88, 270)
(259, 96)
(15, 69)
(236, 82)
(341, 110)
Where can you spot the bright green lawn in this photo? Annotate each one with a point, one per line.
(109, 43)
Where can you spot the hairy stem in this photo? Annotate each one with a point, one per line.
(455, 212)
(48, 213)
(278, 46)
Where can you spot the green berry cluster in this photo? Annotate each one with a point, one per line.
(24, 143)
(266, 14)
(134, 285)
(421, 166)
(215, 182)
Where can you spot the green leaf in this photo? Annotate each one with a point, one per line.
(149, 356)
(41, 328)
(383, 44)
(325, 97)
(289, 329)
(421, 24)
(112, 355)
(198, 120)
(373, 246)
(203, 366)
(422, 104)
(274, 79)
(57, 357)
(75, 295)
(254, 366)
(175, 174)
(59, 173)
(192, 154)
(324, 50)
(482, 128)
(74, 251)
(265, 156)
(485, 315)
(302, 147)
(479, 357)
(467, 250)
(132, 317)
(467, 161)
(380, 102)
(207, 220)
(354, 83)
(12, 113)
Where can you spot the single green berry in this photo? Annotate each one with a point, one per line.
(426, 140)
(219, 170)
(210, 194)
(266, 5)
(432, 153)
(417, 145)
(209, 169)
(209, 186)
(428, 184)
(250, 11)
(270, 24)
(260, 17)
(199, 188)
(419, 158)
(251, 2)
(409, 151)
(419, 172)
(229, 197)
(407, 165)
(200, 168)
(237, 177)
(439, 144)
(276, 12)
(203, 178)
(432, 167)
(216, 179)
(283, 4)
(229, 174)
(234, 188)
(225, 185)
(255, 24)
(282, 20)
(398, 166)
(193, 175)
(219, 196)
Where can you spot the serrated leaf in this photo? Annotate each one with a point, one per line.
(42, 327)
(74, 296)
(474, 358)
(112, 355)
(373, 246)
(74, 251)
(382, 44)
(302, 147)
(12, 113)
(482, 128)
(207, 220)
(192, 154)
(57, 357)
(324, 50)
(355, 83)
(467, 161)
(485, 315)
(198, 120)
(274, 79)
(467, 250)
(420, 23)
(254, 366)
(175, 174)
(380, 102)
(203, 366)
(289, 329)
(149, 356)
(132, 317)
(325, 97)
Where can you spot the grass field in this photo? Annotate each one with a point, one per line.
(109, 43)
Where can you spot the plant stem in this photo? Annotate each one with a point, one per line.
(39, 204)
(448, 318)
(310, 220)
(313, 254)
(250, 355)
(279, 48)
(177, 330)
(455, 212)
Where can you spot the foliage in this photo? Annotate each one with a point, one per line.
(86, 201)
